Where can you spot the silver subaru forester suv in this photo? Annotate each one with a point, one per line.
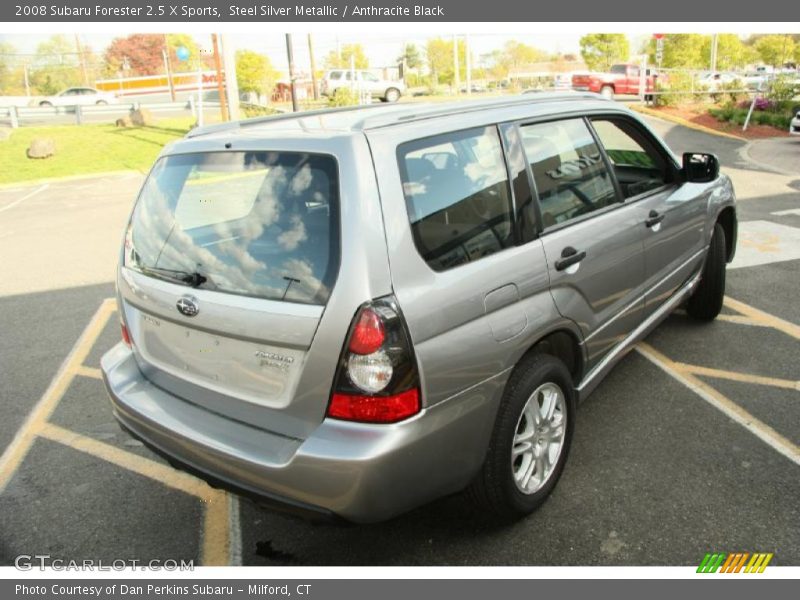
(350, 313)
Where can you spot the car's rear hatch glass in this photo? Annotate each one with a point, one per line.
(250, 241)
(258, 224)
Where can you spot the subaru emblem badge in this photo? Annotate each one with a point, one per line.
(187, 306)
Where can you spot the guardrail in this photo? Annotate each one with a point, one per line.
(19, 116)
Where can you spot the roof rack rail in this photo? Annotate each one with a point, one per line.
(378, 121)
(241, 124)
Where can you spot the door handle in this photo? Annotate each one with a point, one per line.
(569, 257)
(654, 218)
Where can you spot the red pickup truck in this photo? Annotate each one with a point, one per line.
(621, 79)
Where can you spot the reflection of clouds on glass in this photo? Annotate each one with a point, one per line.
(291, 238)
(261, 252)
(301, 270)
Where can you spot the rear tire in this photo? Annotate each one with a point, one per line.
(706, 302)
(525, 441)
(607, 92)
(45, 104)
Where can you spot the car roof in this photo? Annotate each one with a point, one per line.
(355, 119)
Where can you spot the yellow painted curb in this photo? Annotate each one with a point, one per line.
(34, 182)
(685, 123)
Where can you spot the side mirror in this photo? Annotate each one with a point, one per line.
(699, 167)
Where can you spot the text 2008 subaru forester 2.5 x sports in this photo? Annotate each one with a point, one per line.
(353, 312)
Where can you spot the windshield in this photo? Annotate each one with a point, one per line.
(259, 224)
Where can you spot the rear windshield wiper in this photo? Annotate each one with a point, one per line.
(194, 279)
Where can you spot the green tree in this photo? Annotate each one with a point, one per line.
(411, 56)
(775, 49)
(55, 66)
(12, 78)
(255, 73)
(341, 60)
(440, 60)
(732, 52)
(516, 55)
(601, 50)
(682, 51)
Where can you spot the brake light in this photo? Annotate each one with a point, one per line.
(126, 337)
(375, 409)
(368, 333)
(377, 379)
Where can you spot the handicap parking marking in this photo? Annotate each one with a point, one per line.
(221, 533)
(688, 375)
(765, 242)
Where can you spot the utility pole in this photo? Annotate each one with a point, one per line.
(223, 105)
(313, 67)
(714, 50)
(457, 80)
(168, 68)
(290, 56)
(231, 85)
(468, 52)
(82, 60)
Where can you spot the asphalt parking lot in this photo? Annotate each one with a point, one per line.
(691, 445)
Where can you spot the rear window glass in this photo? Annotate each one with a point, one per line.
(457, 195)
(259, 224)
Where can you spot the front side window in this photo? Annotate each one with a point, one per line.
(335, 75)
(457, 195)
(261, 224)
(638, 165)
(570, 174)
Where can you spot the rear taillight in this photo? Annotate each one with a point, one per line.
(377, 379)
(126, 337)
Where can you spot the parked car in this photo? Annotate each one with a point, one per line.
(715, 81)
(621, 79)
(794, 125)
(79, 96)
(350, 313)
(386, 90)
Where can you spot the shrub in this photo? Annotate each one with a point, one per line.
(343, 97)
(783, 90)
(676, 90)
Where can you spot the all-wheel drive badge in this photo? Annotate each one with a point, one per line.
(187, 305)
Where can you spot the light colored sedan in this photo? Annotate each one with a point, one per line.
(83, 96)
(794, 125)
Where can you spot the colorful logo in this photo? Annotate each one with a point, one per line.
(734, 562)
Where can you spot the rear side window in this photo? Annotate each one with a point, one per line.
(570, 174)
(457, 196)
(334, 75)
(259, 224)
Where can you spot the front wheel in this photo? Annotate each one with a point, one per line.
(706, 301)
(392, 95)
(45, 104)
(101, 103)
(531, 439)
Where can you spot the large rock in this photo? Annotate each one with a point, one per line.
(141, 117)
(41, 148)
(124, 122)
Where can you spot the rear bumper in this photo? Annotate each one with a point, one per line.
(358, 472)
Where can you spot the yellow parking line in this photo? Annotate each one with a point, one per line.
(760, 316)
(734, 376)
(760, 429)
(18, 448)
(740, 320)
(216, 532)
(216, 544)
(137, 464)
(85, 371)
